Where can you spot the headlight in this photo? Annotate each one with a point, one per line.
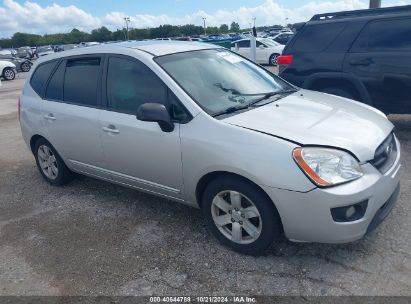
(327, 167)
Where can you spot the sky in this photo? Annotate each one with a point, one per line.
(54, 16)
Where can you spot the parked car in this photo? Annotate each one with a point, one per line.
(201, 125)
(267, 50)
(283, 37)
(7, 70)
(363, 55)
(44, 50)
(23, 65)
(25, 52)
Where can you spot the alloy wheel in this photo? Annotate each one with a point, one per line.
(236, 217)
(48, 162)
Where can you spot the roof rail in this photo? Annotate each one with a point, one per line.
(362, 13)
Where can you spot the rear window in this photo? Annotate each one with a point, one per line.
(317, 37)
(54, 89)
(385, 35)
(41, 75)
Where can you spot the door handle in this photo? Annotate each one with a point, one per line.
(111, 129)
(364, 62)
(49, 116)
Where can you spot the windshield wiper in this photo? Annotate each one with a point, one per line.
(230, 110)
(268, 95)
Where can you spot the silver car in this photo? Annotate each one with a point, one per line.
(203, 126)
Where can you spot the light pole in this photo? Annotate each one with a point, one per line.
(127, 20)
(204, 20)
(375, 3)
(254, 21)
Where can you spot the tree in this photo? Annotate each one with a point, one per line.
(101, 34)
(235, 27)
(224, 28)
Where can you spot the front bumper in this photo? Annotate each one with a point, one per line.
(306, 217)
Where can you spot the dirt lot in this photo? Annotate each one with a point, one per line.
(94, 238)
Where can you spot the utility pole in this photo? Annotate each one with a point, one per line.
(127, 20)
(375, 3)
(204, 20)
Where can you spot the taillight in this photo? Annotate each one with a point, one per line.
(18, 107)
(285, 59)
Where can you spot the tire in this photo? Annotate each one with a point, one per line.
(228, 192)
(339, 92)
(9, 74)
(25, 67)
(273, 59)
(50, 164)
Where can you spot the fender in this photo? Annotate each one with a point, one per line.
(359, 86)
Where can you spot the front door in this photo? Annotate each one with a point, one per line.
(138, 153)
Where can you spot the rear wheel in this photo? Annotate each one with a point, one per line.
(9, 74)
(50, 164)
(274, 59)
(240, 215)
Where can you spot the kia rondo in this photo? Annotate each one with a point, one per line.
(203, 126)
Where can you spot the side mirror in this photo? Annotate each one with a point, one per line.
(156, 112)
(262, 46)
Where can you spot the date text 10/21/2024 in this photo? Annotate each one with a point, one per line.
(202, 299)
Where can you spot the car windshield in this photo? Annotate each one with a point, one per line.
(219, 79)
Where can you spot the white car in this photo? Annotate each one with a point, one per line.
(267, 50)
(8, 70)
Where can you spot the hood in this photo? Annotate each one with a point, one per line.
(313, 118)
(5, 63)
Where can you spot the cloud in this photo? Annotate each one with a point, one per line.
(32, 18)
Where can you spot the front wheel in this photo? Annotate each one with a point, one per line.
(9, 74)
(240, 215)
(274, 59)
(25, 67)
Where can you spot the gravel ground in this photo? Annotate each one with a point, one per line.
(94, 238)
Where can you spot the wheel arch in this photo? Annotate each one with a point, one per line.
(34, 139)
(337, 80)
(207, 178)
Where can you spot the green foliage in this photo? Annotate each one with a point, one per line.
(235, 27)
(224, 28)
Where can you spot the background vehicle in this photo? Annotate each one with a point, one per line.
(25, 52)
(44, 50)
(7, 70)
(363, 55)
(283, 37)
(267, 50)
(23, 65)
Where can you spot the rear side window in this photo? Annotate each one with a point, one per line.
(55, 87)
(244, 44)
(385, 35)
(317, 37)
(41, 75)
(131, 84)
(81, 81)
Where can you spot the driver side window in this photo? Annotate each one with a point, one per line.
(131, 84)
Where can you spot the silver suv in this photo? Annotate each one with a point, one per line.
(203, 126)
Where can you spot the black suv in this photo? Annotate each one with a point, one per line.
(363, 55)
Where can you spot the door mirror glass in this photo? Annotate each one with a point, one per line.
(156, 112)
(261, 46)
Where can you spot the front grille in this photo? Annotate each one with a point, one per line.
(386, 154)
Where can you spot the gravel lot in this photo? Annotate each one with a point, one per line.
(94, 238)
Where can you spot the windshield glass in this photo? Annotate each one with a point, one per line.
(218, 79)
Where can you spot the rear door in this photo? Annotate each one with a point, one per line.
(71, 109)
(381, 59)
